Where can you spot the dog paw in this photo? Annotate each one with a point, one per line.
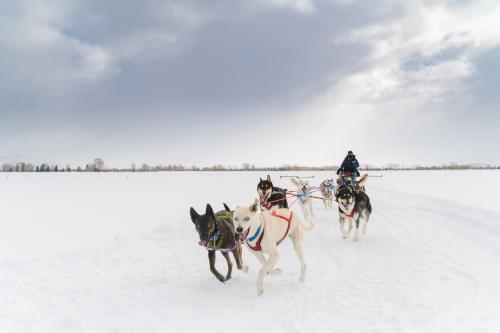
(244, 268)
(276, 271)
(260, 290)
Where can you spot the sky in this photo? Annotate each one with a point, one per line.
(199, 82)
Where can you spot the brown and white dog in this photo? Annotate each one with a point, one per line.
(264, 231)
(327, 192)
(353, 205)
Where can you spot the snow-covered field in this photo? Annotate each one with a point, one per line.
(118, 253)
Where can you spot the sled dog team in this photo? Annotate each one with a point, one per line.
(267, 221)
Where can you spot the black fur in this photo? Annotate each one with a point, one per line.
(208, 225)
(278, 195)
(362, 205)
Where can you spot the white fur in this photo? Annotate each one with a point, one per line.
(304, 201)
(274, 228)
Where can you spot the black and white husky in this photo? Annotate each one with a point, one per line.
(271, 196)
(353, 205)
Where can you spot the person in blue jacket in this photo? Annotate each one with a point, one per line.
(348, 171)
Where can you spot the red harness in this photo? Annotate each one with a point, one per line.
(257, 247)
(350, 215)
(266, 205)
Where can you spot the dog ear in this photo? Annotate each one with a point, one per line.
(209, 211)
(362, 181)
(253, 207)
(268, 178)
(260, 179)
(226, 207)
(295, 182)
(194, 214)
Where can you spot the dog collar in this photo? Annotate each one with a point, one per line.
(350, 214)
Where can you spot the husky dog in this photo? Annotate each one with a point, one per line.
(327, 192)
(271, 196)
(302, 196)
(216, 232)
(353, 205)
(263, 231)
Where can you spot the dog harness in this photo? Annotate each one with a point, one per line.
(215, 240)
(266, 205)
(350, 215)
(301, 196)
(264, 201)
(257, 247)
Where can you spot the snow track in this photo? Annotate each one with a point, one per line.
(427, 264)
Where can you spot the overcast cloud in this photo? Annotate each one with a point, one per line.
(203, 82)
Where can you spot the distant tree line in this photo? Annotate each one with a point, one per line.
(97, 165)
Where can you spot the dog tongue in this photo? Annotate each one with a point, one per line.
(202, 243)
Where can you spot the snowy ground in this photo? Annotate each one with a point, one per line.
(118, 253)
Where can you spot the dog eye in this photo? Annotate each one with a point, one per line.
(246, 219)
(236, 219)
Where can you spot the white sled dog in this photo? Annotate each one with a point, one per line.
(264, 231)
(304, 200)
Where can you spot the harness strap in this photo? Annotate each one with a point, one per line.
(257, 247)
(288, 224)
(350, 215)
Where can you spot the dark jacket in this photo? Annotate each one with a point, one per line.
(349, 165)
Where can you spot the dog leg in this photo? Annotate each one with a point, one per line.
(304, 211)
(297, 244)
(229, 265)
(349, 228)
(273, 259)
(261, 258)
(356, 233)
(238, 256)
(263, 261)
(365, 225)
(211, 259)
(342, 230)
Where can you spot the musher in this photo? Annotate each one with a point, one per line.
(348, 171)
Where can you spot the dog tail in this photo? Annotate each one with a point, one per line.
(362, 181)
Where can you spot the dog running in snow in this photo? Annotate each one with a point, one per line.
(303, 198)
(217, 233)
(327, 192)
(353, 205)
(263, 231)
(271, 196)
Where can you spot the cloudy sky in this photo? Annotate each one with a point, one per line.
(261, 81)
